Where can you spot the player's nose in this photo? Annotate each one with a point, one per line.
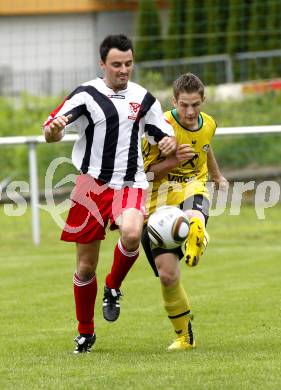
(123, 68)
(189, 111)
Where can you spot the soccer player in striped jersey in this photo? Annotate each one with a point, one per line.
(110, 115)
(180, 180)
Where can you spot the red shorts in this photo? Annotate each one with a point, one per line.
(94, 204)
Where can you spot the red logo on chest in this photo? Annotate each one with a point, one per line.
(134, 110)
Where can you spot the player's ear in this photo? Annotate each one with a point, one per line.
(174, 100)
(101, 64)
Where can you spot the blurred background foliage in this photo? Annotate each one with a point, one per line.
(25, 117)
(171, 37)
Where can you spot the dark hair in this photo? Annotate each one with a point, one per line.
(120, 42)
(189, 83)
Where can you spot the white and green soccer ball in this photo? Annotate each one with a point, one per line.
(168, 227)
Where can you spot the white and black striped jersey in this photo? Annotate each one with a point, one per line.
(110, 126)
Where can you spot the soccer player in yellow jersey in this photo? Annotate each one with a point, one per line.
(180, 180)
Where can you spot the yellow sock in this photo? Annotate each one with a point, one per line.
(177, 306)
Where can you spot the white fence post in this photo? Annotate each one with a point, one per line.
(34, 192)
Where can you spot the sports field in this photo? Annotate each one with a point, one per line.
(235, 296)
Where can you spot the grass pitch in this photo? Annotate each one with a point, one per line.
(235, 297)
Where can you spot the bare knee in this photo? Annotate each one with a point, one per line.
(168, 277)
(131, 238)
(85, 268)
(131, 229)
(168, 268)
(87, 260)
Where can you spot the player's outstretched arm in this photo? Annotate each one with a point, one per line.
(54, 130)
(220, 182)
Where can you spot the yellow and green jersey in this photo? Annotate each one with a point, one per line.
(190, 177)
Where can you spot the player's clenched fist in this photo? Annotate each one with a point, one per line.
(167, 145)
(53, 129)
(58, 124)
(184, 152)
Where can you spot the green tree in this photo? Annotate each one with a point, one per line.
(196, 34)
(196, 24)
(149, 43)
(257, 37)
(217, 16)
(174, 43)
(237, 28)
(237, 31)
(273, 27)
(257, 34)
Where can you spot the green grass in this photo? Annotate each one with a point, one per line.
(235, 296)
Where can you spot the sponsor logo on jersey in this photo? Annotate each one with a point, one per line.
(180, 179)
(116, 96)
(206, 147)
(134, 110)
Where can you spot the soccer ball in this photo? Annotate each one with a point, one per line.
(168, 227)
